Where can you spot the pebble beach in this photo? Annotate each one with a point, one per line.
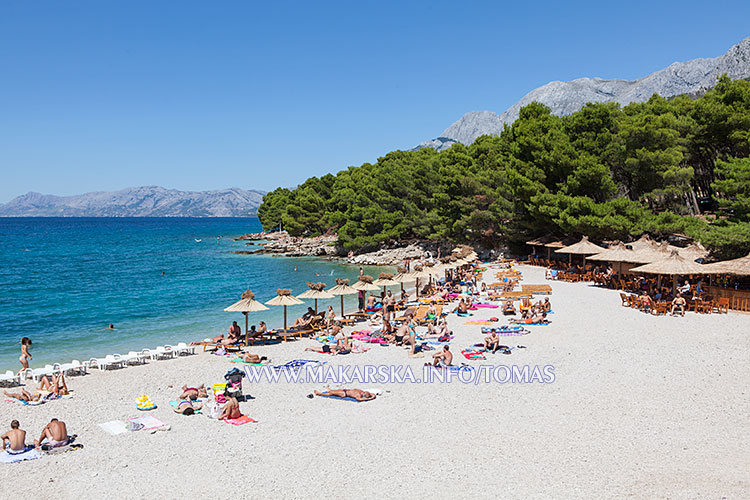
(640, 407)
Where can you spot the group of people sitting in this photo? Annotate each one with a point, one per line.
(54, 435)
(50, 387)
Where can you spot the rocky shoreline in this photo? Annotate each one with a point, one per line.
(280, 243)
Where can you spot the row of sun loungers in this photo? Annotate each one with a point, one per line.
(109, 361)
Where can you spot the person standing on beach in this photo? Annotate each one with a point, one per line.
(361, 300)
(25, 355)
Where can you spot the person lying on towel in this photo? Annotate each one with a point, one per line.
(56, 385)
(14, 441)
(187, 407)
(24, 395)
(357, 394)
(461, 308)
(537, 319)
(252, 358)
(56, 434)
(193, 393)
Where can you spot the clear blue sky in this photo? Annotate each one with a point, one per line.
(103, 95)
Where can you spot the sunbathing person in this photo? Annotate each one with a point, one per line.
(402, 333)
(461, 308)
(187, 407)
(678, 302)
(252, 358)
(375, 319)
(534, 320)
(230, 410)
(492, 342)
(15, 439)
(444, 358)
(193, 393)
(508, 308)
(371, 302)
(55, 386)
(56, 434)
(305, 319)
(547, 306)
(24, 395)
(357, 394)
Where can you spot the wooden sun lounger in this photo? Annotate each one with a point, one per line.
(284, 335)
(228, 347)
(537, 289)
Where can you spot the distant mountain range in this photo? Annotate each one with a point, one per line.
(565, 98)
(146, 201)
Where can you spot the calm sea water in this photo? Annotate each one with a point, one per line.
(64, 280)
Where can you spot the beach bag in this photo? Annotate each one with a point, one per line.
(212, 409)
(444, 338)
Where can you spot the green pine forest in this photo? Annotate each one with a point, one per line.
(666, 166)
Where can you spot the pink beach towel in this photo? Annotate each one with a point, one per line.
(243, 419)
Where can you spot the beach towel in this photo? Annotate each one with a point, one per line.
(174, 404)
(478, 322)
(346, 399)
(25, 403)
(31, 453)
(486, 306)
(455, 368)
(242, 362)
(472, 354)
(243, 419)
(114, 427)
(61, 449)
(147, 421)
(296, 363)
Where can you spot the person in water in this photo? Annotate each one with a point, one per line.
(111, 326)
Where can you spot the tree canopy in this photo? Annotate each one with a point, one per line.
(605, 171)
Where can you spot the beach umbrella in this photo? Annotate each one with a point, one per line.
(619, 253)
(245, 305)
(672, 265)
(693, 251)
(736, 267)
(417, 274)
(583, 247)
(402, 277)
(284, 298)
(316, 291)
(342, 288)
(364, 283)
(384, 280)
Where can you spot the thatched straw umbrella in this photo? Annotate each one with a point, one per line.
(674, 266)
(316, 291)
(583, 247)
(364, 283)
(284, 298)
(619, 253)
(694, 251)
(402, 277)
(342, 288)
(735, 267)
(246, 304)
(419, 273)
(384, 280)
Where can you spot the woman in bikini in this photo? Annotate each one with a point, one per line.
(357, 394)
(187, 407)
(56, 385)
(25, 355)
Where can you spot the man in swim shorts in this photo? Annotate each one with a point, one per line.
(491, 342)
(444, 358)
(56, 434)
(14, 441)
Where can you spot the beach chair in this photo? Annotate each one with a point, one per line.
(183, 348)
(132, 356)
(36, 374)
(74, 365)
(625, 298)
(11, 377)
(108, 361)
(161, 352)
(421, 313)
(721, 305)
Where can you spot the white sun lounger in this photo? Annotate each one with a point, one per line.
(161, 352)
(183, 348)
(9, 376)
(132, 356)
(74, 365)
(37, 373)
(109, 361)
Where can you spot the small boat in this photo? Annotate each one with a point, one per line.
(198, 240)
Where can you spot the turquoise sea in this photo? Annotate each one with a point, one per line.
(64, 280)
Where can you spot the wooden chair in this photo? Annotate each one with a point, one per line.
(720, 305)
(625, 298)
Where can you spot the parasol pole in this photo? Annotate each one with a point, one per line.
(284, 318)
(247, 334)
(342, 306)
